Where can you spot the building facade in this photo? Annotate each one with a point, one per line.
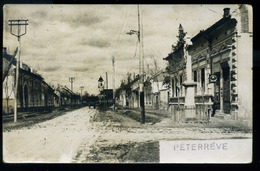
(156, 92)
(221, 67)
(65, 97)
(33, 92)
(127, 95)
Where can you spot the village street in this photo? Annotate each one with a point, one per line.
(92, 136)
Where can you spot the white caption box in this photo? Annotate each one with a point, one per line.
(206, 151)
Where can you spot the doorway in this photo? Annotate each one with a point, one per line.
(157, 103)
(226, 89)
(217, 92)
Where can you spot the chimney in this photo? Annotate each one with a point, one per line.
(226, 12)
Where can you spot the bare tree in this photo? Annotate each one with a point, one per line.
(7, 93)
(153, 69)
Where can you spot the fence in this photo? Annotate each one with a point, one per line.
(203, 108)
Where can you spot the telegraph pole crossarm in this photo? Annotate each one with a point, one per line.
(18, 23)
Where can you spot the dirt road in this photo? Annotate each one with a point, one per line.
(91, 136)
(51, 141)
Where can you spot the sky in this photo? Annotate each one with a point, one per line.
(64, 41)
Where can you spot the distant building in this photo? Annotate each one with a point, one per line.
(127, 95)
(101, 84)
(156, 92)
(105, 95)
(221, 66)
(66, 97)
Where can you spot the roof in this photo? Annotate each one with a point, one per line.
(205, 32)
(34, 75)
(25, 69)
(158, 76)
(170, 55)
(64, 91)
(100, 79)
(213, 27)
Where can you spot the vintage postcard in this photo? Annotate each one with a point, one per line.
(127, 83)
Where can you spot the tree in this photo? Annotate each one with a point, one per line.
(176, 61)
(8, 87)
(153, 68)
(180, 37)
(177, 56)
(7, 68)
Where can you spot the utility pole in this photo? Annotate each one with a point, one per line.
(114, 89)
(142, 77)
(81, 88)
(71, 79)
(18, 24)
(141, 66)
(106, 81)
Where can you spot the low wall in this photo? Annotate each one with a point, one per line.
(203, 108)
(177, 112)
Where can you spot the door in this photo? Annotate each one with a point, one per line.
(217, 92)
(226, 90)
(157, 103)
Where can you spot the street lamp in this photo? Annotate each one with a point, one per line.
(141, 69)
(138, 36)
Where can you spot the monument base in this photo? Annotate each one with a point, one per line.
(190, 113)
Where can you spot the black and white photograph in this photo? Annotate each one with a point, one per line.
(136, 83)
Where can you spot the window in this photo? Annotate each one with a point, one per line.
(195, 78)
(173, 86)
(40, 92)
(180, 85)
(176, 88)
(202, 81)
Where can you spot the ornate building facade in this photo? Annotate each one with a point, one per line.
(221, 67)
